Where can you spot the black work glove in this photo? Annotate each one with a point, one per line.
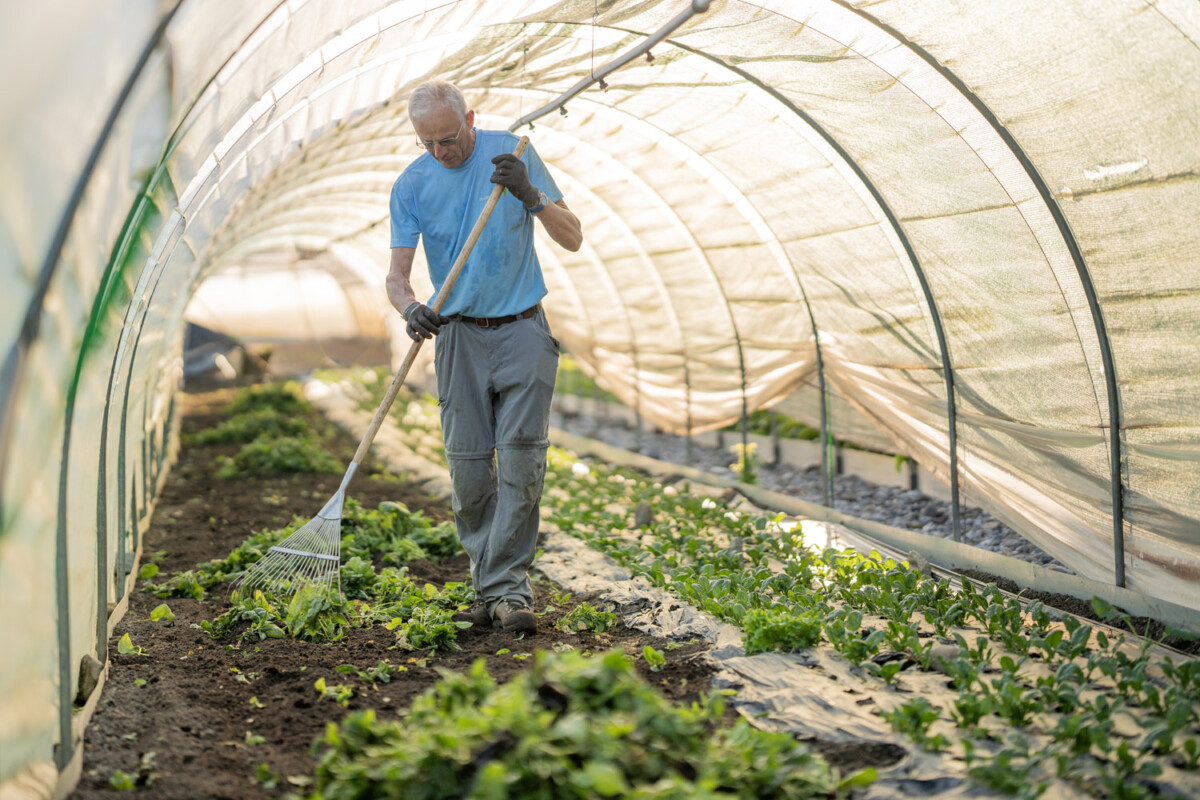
(512, 175)
(423, 321)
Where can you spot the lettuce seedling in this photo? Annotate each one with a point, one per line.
(585, 617)
(182, 584)
(654, 658)
(358, 579)
(913, 718)
(767, 631)
(160, 612)
(317, 614)
(260, 611)
(380, 673)
(427, 627)
(338, 692)
(126, 647)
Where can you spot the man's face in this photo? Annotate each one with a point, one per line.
(443, 124)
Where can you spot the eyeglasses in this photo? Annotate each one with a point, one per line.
(425, 144)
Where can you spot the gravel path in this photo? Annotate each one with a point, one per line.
(890, 505)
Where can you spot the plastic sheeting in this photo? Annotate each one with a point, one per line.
(999, 234)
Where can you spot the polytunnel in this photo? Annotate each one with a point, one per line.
(974, 222)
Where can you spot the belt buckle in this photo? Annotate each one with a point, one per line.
(484, 322)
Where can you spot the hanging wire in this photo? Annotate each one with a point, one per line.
(595, 20)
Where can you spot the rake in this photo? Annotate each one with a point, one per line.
(312, 556)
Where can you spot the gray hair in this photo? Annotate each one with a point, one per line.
(435, 94)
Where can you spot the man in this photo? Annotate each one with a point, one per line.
(495, 358)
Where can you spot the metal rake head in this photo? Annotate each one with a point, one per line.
(309, 557)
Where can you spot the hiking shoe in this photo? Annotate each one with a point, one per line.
(515, 617)
(477, 615)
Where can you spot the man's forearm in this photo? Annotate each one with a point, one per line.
(399, 287)
(400, 293)
(562, 225)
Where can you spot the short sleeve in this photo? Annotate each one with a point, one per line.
(406, 230)
(539, 175)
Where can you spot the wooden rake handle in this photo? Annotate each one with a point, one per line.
(438, 302)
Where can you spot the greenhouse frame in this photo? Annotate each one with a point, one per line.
(961, 232)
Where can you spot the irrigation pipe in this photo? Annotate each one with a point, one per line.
(597, 76)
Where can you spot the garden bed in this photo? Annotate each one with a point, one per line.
(933, 686)
(190, 716)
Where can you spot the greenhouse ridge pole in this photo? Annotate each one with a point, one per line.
(597, 76)
(1085, 278)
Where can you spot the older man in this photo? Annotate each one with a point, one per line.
(494, 356)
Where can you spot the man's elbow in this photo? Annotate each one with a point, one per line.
(572, 238)
(574, 242)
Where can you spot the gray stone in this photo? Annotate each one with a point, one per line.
(89, 676)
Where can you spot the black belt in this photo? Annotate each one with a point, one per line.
(495, 322)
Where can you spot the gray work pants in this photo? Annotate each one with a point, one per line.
(494, 390)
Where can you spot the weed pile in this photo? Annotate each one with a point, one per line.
(390, 535)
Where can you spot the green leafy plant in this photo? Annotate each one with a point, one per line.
(746, 466)
(1015, 702)
(147, 571)
(358, 579)
(654, 658)
(282, 398)
(317, 614)
(731, 565)
(1011, 771)
(587, 727)
(268, 455)
(338, 692)
(428, 626)
(146, 774)
(585, 617)
(161, 612)
(120, 781)
(265, 776)
(1190, 756)
(183, 584)
(843, 629)
(969, 708)
(785, 427)
(250, 425)
(772, 630)
(380, 673)
(913, 718)
(126, 647)
(261, 612)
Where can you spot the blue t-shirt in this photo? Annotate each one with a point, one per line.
(439, 206)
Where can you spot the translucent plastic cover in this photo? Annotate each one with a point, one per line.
(784, 192)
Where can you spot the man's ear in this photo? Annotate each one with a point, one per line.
(471, 118)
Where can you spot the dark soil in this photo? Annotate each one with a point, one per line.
(1142, 626)
(191, 709)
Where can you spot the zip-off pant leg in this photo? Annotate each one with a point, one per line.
(494, 389)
